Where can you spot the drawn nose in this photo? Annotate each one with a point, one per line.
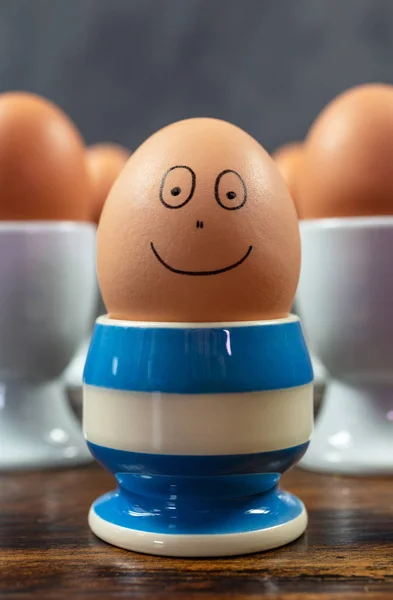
(199, 224)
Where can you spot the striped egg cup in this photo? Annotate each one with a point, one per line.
(197, 422)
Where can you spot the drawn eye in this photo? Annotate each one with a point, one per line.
(177, 186)
(230, 190)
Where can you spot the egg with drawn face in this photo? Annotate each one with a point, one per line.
(199, 227)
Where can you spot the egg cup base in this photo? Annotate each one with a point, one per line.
(38, 429)
(207, 544)
(73, 375)
(353, 431)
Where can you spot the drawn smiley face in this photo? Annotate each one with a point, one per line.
(199, 227)
(176, 190)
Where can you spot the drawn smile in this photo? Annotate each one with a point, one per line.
(196, 273)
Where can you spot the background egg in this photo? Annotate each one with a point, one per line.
(199, 227)
(104, 163)
(288, 159)
(347, 165)
(42, 166)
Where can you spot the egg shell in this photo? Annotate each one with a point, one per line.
(199, 227)
(104, 163)
(288, 159)
(43, 174)
(347, 170)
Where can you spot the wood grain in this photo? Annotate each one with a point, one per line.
(47, 550)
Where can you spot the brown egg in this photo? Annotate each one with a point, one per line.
(43, 174)
(288, 160)
(347, 165)
(104, 163)
(199, 227)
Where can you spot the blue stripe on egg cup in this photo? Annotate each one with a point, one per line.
(198, 361)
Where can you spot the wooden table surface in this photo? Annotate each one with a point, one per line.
(47, 550)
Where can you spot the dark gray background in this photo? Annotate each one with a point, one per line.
(124, 68)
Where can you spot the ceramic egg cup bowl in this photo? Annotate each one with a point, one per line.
(197, 422)
(345, 297)
(48, 290)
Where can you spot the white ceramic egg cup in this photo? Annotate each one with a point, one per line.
(345, 297)
(47, 296)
